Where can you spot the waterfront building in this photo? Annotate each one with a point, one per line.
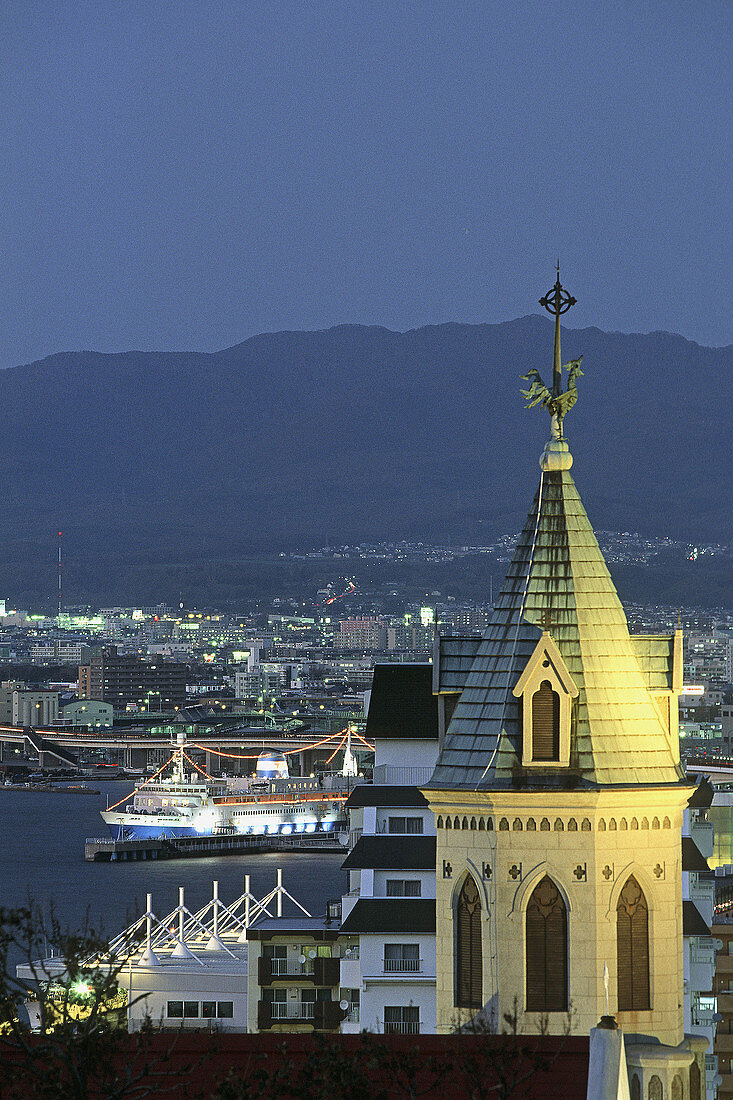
(294, 973)
(35, 708)
(388, 967)
(559, 798)
(119, 679)
(370, 963)
(189, 970)
(87, 713)
(8, 689)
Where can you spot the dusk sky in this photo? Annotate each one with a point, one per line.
(182, 175)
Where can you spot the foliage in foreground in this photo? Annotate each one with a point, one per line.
(475, 1064)
(72, 1047)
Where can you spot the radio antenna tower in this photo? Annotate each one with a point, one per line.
(59, 573)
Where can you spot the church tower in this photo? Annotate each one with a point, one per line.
(558, 792)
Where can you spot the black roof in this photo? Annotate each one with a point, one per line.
(692, 857)
(392, 853)
(703, 794)
(367, 795)
(391, 915)
(402, 704)
(692, 921)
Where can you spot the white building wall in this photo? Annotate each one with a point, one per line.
(380, 987)
(407, 753)
(35, 708)
(425, 878)
(150, 989)
(384, 813)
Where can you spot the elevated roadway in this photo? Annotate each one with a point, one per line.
(133, 748)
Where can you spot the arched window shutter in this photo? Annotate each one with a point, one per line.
(545, 723)
(632, 939)
(468, 947)
(547, 949)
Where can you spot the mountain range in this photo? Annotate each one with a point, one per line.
(297, 438)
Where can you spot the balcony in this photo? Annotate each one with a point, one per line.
(292, 1010)
(402, 1028)
(319, 971)
(402, 776)
(723, 963)
(402, 966)
(322, 1015)
(702, 951)
(723, 1043)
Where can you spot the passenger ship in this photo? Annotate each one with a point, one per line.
(189, 805)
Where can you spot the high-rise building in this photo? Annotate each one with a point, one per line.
(153, 684)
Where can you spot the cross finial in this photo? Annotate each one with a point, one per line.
(557, 301)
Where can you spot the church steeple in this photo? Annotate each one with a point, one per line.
(558, 582)
(558, 790)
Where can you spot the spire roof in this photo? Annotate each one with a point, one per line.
(558, 581)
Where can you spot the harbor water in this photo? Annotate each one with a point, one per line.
(42, 858)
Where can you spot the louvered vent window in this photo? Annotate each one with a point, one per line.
(545, 723)
(547, 949)
(468, 947)
(632, 938)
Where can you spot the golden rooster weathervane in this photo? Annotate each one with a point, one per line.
(557, 302)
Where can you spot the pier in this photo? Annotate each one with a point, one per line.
(104, 849)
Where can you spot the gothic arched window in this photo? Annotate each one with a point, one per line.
(468, 947)
(547, 949)
(632, 939)
(545, 723)
(695, 1082)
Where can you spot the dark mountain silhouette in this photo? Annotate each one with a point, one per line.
(354, 432)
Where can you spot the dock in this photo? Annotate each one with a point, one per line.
(105, 850)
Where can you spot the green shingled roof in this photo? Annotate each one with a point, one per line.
(563, 584)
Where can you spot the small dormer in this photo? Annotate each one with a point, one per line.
(546, 690)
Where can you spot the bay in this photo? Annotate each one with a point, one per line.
(42, 838)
